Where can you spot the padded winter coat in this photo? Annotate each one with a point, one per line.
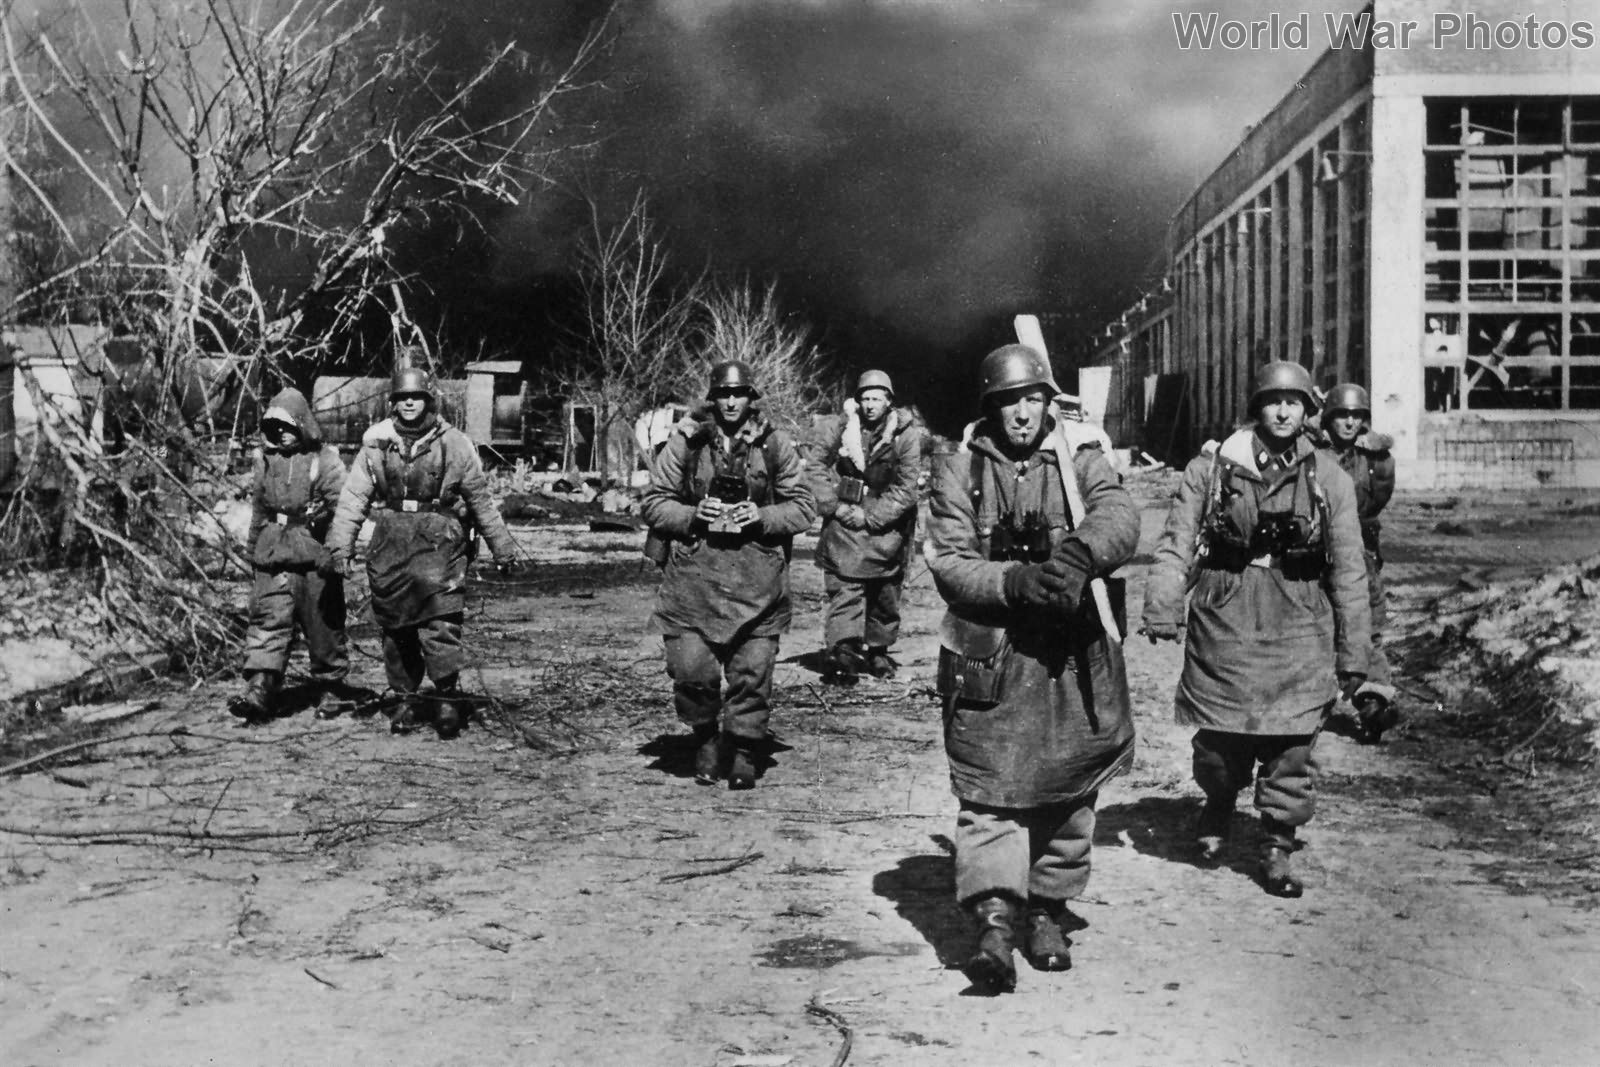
(1036, 706)
(294, 493)
(726, 587)
(1267, 633)
(893, 456)
(428, 498)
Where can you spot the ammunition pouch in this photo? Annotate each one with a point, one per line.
(972, 664)
(851, 490)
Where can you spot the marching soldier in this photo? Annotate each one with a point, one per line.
(1036, 709)
(725, 501)
(297, 483)
(1364, 455)
(1263, 539)
(425, 481)
(865, 480)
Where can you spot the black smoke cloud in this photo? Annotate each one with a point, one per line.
(912, 172)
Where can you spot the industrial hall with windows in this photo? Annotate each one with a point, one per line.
(1423, 221)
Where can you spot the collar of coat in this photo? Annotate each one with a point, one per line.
(983, 436)
(1239, 451)
(852, 444)
(750, 432)
(384, 435)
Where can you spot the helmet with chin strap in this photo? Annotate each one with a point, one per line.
(1283, 377)
(412, 381)
(1014, 367)
(1347, 396)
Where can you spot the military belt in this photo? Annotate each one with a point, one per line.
(287, 518)
(415, 506)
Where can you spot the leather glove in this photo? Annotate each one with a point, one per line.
(851, 517)
(1349, 683)
(1024, 585)
(1066, 573)
(1159, 631)
(331, 566)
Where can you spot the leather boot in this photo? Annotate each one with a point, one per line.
(412, 712)
(708, 754)
(1211, 831)
(1374, 715)
(333, 698)
(879, 665)
(991, 969)
(844, 662)
(742, 771)
(1046, 943)
(448, 713)
(1277, 877)
(255, 703)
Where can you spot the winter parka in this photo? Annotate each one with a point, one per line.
(1371, 467)
(893, 464)
(1266, 632)
(1036, 707)
(295, 492)
(726, 587)
(429, 497)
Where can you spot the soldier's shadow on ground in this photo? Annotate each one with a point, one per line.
(673, 754)
(1164, 827)
(922, 890)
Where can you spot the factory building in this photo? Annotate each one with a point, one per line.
(1421, 220)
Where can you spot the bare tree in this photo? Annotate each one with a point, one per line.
(633, 345)
(739, 322)
(185, 153)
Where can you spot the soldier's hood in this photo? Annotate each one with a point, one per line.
(290, 406)
(984, 436)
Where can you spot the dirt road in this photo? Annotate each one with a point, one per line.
(565, 894)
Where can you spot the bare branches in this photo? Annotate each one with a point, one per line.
(175, 159)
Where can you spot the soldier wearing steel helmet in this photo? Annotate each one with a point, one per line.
(1347, 433)
(726, 499)
(1261, 560)
(1035, 692)
(863, 468)
(424, 482)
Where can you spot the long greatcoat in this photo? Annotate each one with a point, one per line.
(427, 496)
(1264, 642)
(893, 454)
(1036, 708)
(727, 587)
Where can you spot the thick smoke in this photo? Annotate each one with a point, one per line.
(913, 171)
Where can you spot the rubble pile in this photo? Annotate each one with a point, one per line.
(1534, 643)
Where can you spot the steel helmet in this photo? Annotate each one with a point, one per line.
(410, 381)
(1015, 367)
(1347, 396)
(733, 374)
(874, 379)
(1283, 377)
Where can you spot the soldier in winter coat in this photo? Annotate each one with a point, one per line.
(1364, 455)
(424, 480)
(297, 483)
(864, 466)
(728, 499)
(1263, 539)
(1036, 708)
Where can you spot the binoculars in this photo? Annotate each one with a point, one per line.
(1024, 538)
(728, 488)
(1278, 534)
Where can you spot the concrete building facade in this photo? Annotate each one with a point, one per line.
(1423, 220)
